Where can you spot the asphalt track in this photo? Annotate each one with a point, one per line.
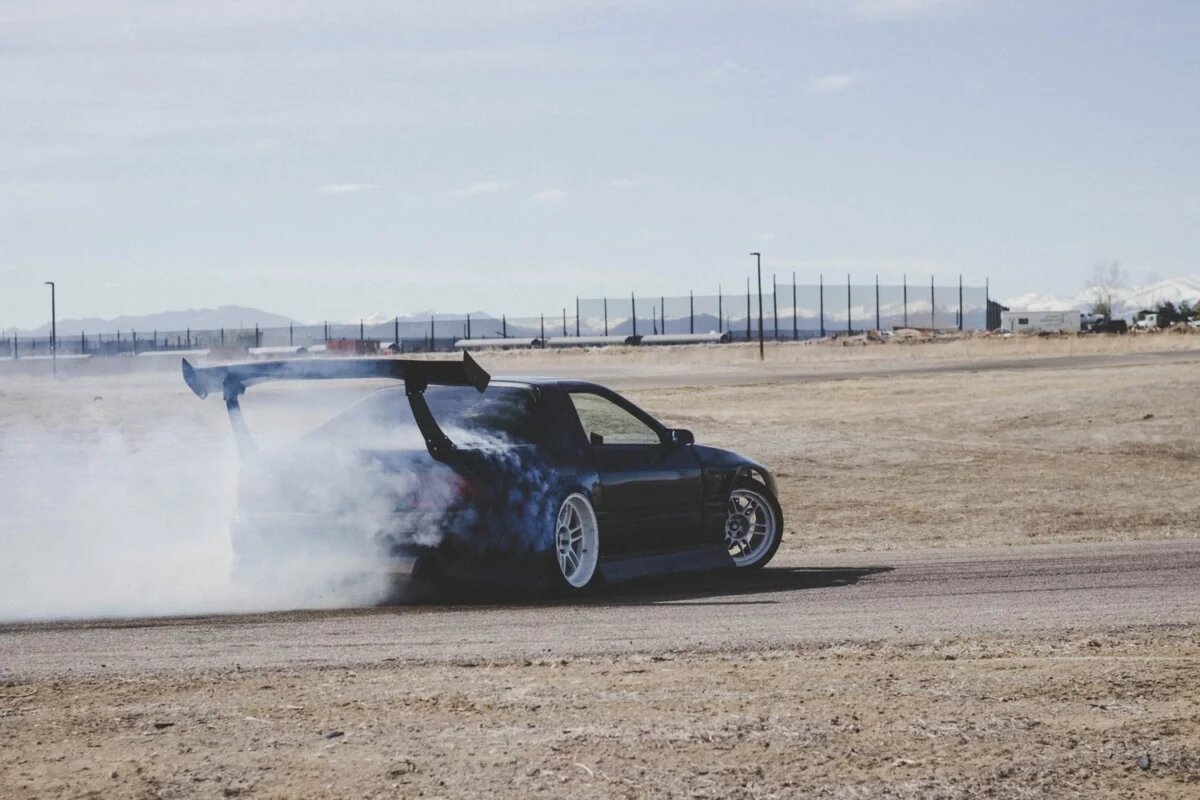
(917, 596)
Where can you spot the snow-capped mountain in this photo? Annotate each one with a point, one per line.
(1126, 300)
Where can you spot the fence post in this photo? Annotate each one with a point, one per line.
(720, 310)
(633, 308)
(775, 304)
(564, 322)
(987, 304)
(932, 306)
(795, 322)
(327, 331)
(189, 338)
(849, 311)
(135, 343)
(606, 316)
(432, 335)
(576, 318)
(960, 303)
(543, 318)
(691, 311)
(257, 336)
(82, 344)
(878, 323)
(821, 285)
(291, 335)
(749, 332)
(904, 281)
(503, 326)
(396, 329)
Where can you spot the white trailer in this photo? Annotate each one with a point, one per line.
(1041, 321)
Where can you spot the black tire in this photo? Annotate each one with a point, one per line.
(753, 554)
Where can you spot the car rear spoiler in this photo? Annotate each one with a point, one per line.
(232, 380)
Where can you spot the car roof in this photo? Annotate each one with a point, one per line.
(532, 381)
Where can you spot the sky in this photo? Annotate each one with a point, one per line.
(326, 160)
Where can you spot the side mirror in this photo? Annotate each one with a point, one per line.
(682, 437)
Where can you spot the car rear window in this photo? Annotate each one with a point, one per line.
(500, 415)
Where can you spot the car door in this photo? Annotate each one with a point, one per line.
(650, 487)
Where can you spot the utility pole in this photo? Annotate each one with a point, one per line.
(761, 347)
(53, 330)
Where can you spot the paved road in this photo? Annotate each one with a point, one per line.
(870, 596)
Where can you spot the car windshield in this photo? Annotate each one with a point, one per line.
(502, 415)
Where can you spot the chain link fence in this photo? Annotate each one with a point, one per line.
(789, 312)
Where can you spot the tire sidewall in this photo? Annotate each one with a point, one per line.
(750, 484)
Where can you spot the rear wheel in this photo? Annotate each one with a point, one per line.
(753, 525)
(576, 542)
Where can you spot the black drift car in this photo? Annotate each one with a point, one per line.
(451, 466)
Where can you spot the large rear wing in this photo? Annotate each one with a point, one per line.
(232, 380)
(235, 378)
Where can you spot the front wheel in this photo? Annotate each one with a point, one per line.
(576, 542)
(753, 525)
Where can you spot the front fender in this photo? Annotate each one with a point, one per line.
(723, 469)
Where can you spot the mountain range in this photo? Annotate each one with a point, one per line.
(228, 317)
(1125, 299)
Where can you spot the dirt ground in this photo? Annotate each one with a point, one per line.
(1104, 715)
(934, 459)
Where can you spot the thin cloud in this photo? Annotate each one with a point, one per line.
(549, 196)
(832, 84)
(478, 188)
(880, 10)
(345, 188)
(625, 183)
(726, 69)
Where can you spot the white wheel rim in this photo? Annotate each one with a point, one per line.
(577, 540)
(750, 527)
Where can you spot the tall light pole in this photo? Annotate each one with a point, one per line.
(53, 330)
(761, 353)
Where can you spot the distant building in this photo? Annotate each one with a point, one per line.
(1041, 321)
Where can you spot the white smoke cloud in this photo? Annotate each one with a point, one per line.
(105, 515)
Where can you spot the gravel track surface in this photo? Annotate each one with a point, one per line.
(843, 597)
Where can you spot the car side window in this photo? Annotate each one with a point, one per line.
(605, 422)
